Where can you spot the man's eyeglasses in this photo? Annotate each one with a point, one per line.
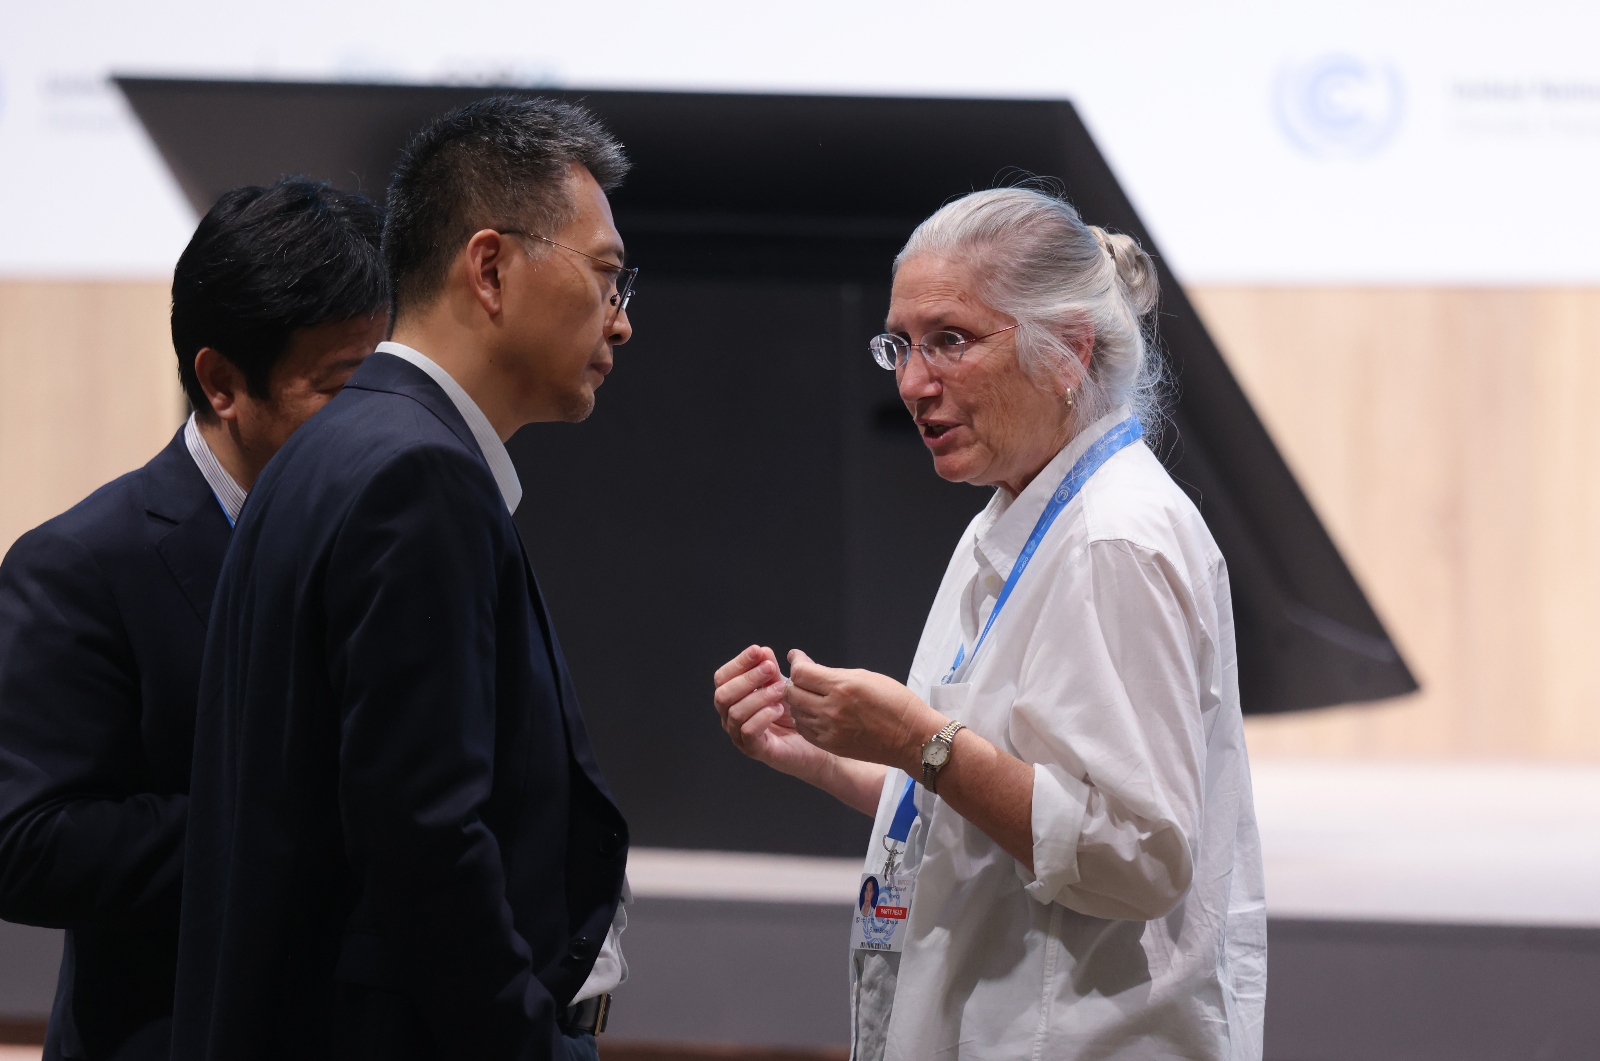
(940, 349)
(624, 277)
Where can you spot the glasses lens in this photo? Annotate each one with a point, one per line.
(889, 351)
(946, 347)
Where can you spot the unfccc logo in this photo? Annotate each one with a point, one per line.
(1339, 106)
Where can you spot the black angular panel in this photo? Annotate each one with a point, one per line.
(749, 474)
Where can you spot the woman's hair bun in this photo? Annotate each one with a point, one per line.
(1136, 273)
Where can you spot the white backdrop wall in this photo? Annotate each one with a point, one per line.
(1383, 142)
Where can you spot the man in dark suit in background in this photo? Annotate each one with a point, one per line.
(400, 843)
(277, 298)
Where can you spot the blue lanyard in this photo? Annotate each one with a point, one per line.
(904, 814)
(1104, 448)
(899, 829)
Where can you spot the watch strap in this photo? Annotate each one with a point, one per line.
(946, 736)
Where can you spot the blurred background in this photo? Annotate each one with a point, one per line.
(1385, 216)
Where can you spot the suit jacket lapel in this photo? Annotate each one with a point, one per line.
(577, 732)
(189, 530)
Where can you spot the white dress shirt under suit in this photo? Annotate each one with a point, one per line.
(1141, 932)
(229, 494)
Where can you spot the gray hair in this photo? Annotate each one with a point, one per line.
(1061, 281)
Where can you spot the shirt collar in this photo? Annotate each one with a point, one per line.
(494, 451)
(229, 494)
(1005, 527)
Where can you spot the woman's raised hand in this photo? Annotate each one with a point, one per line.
(859, 714)
(749, 700)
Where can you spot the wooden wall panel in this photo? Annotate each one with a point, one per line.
(88, 390)
(1448, 439)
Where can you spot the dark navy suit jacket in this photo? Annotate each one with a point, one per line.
(102, 623)
(400, 844)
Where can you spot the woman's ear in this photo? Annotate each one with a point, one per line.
(1070, 371)
(1083, 346)
(222, 382)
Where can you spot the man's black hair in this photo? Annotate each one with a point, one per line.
(498, 163)
(267, 261)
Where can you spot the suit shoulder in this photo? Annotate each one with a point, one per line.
(440, 466)
(66, 563)
(368, 428)
(366, 448)
(429, 493)
(108, 519)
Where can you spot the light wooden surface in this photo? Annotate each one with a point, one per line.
(1447, 438)
(88, 390)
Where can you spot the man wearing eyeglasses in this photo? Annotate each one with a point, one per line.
(401, 846)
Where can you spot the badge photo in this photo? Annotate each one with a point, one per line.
(882, 909)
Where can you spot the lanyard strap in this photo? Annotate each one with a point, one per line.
(899, 829)
(1104, 448)
(904, 814)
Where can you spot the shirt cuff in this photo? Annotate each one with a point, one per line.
(1060, 802)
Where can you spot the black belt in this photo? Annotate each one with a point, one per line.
(587, 1017)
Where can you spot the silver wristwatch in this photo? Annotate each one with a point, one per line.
(936, 753)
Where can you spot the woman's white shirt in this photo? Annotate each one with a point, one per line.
(1141, 932)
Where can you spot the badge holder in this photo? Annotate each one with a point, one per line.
(883, 906)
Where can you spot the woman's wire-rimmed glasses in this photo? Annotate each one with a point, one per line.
(623, 289)
(941, 348)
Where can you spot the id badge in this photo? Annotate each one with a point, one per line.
(883, 909)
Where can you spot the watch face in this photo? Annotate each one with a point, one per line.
(936, 753)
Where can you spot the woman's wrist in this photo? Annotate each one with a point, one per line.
(830, 775)
(854, 782)
(815, 769)
(922, 726)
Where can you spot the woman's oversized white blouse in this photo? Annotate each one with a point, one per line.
(1141, 932)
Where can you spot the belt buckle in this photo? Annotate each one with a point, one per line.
(589, 1016)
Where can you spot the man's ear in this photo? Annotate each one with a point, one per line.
(483, 261)
(221, 380)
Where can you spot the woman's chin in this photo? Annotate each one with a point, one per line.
(956, 466)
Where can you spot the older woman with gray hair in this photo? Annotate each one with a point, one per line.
(1064, 848)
